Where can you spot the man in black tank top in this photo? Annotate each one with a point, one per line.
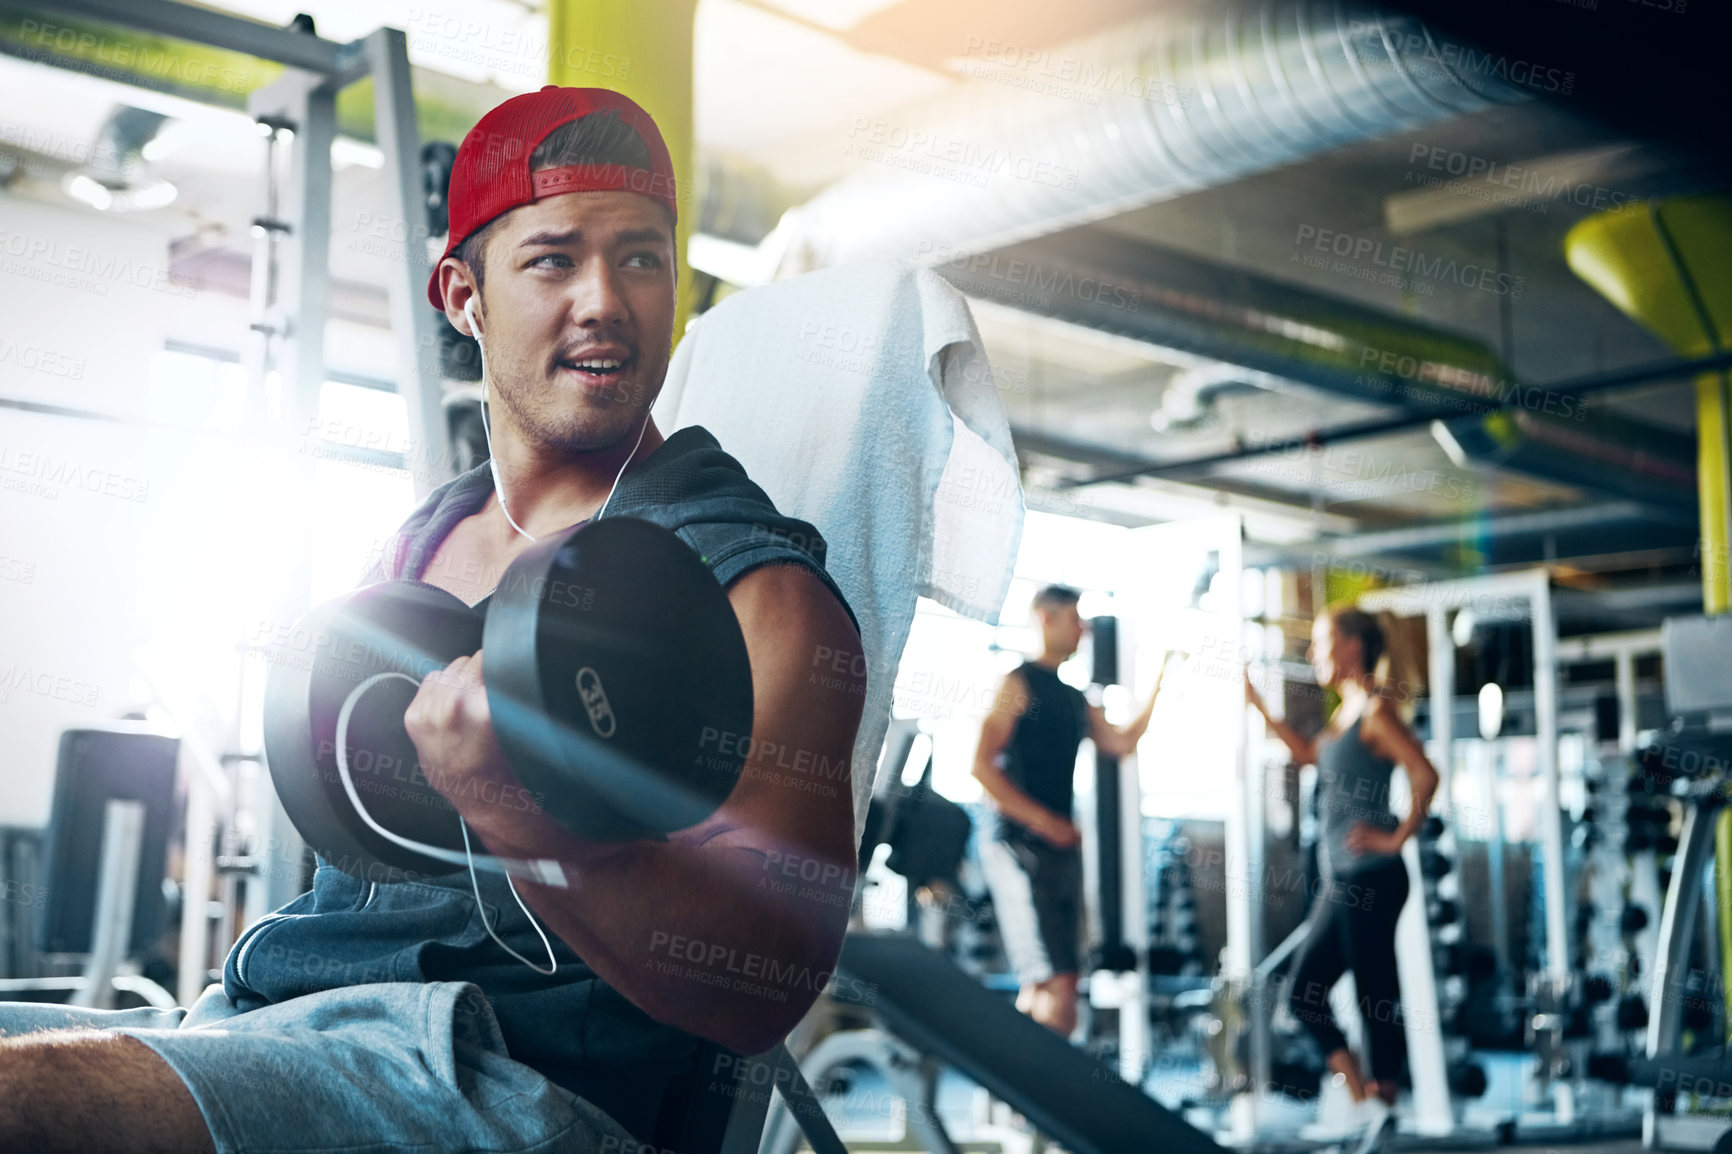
(1026, 761)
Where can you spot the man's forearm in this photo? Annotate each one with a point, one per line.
(1127, 736)
(726, 942)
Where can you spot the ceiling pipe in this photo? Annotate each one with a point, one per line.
(1140, 114)
(1588, 449)
(1464, 545)
(1453, 532)
(1418, 373)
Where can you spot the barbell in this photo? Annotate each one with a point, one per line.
(617, 681)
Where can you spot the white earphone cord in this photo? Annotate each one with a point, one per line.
(545, 870)
(487, 431)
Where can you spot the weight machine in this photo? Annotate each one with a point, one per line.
(1527, 593)
(1562, 1003)
(1692, 760)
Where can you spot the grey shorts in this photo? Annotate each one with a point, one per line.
(399, 1066)
(1038, 901)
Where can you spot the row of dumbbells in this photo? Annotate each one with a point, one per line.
(1173, 937)
(1453, 956)
(1647, 820)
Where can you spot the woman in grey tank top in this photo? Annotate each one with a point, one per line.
(1364, 880)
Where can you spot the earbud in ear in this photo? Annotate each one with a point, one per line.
(469, 315)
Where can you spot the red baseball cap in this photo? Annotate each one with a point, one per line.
(491, 175)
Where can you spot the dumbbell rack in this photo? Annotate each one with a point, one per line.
(1568, 1025)
(1616, 841)
(1172, 906)
(1440, 894)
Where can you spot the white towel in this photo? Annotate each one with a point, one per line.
(860, 399)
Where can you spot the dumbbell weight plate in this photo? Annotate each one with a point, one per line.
(618, 680)
(401, 626)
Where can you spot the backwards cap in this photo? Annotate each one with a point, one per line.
(491, 175)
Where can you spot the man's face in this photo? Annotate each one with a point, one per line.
(577, 316)
(1061, 628)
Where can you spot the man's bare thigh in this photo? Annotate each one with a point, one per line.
(90, 1092)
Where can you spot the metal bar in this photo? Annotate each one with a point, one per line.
(145, 989)
(1485, 753)
(200, 867)
(1244, 853)
(301, 295)
(1609, 646)
(1480, 528)
(1558, 968)
(1440, 673)
(1626, 688)
(1427, 1063)
(412, 319)
(1677, 929)
(1499, 590)
(116, 901)
(1135, 1038)
(1359, 430)
(804, 1106)
(209, 26)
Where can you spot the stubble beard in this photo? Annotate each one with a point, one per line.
(567, 427)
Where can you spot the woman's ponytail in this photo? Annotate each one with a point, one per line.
(1384, 652)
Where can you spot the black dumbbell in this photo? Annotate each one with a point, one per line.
(1434, 864)
(1467, 1080)
(1431, 829)
(1165, 960)
(1632, 1013)
(1598, 988)
(1633, 919)
(1442, 912)
(617, 682)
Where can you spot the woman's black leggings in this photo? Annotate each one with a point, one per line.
(1352, 927)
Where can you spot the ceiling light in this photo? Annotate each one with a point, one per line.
(157, 194)
(1461, 630)
(117, 177)
(1452, 448)
(119, 197)
(81, 187)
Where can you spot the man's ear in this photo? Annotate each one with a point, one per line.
(456, 288)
